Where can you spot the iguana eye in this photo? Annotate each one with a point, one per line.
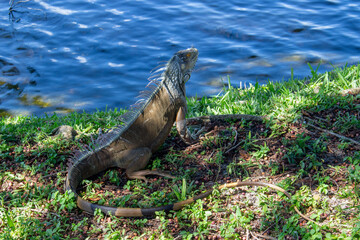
(186, 77)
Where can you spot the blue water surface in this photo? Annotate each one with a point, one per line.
(62, 55)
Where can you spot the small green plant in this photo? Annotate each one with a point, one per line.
(344, 123)
(113, 177)
(304, 198)
(237, 219)
(323, 188)
(78, 226)
(323, 183)
(248, 142)
(231, 168)
(156, 164)
(275, 168)
(63, 201)
(261, 152)
(314, 72)
(343, 145)
(180, 194)
(354, 171)
(201, 217)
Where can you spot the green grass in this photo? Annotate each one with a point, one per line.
(321, 171)
(281, 100)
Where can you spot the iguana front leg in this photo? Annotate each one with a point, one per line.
(183, 131)
(134, 161)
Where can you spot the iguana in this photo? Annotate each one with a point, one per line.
(145, 128)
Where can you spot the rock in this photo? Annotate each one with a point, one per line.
(351, 91)
(66, 131)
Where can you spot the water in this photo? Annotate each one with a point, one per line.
(62, 56)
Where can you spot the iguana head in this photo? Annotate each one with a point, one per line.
(181, 64)
(188, 58)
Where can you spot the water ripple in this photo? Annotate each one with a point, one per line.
(96, 53)
(54, 9)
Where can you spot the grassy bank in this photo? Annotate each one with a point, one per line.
(309, 146)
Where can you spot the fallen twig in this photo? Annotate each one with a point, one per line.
(254, 140)
(331, 133)
(210, 118)
(256, 235)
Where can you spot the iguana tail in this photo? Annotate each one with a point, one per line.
(148, 212)
(89, 164)
(136, 212)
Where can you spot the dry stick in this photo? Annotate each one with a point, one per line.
(253, 235)
(262, 184)
(233, 147)
(266, 230)
(210, 118)
(236, 136)
(262, 236)
(218, 172)
(322, 119)
(255, 140)
(235, 140)
(331, 133)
